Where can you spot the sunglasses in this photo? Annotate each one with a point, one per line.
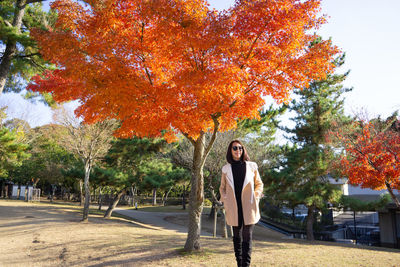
(235, 148)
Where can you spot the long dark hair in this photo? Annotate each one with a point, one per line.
(244, 157)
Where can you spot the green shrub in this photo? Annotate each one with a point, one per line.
(207, 202)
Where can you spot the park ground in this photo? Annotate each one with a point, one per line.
(45, 234)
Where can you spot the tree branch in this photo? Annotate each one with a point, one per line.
(7, 23)
(251, 87)
(191, 140)
(24, 56)
(214, 135)
(251, 49)
(34, 1)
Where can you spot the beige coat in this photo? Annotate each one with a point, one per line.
(251, 193)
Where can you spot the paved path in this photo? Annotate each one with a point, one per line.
(156, 219)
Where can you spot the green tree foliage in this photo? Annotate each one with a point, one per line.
(304, 175)
(259, 137)
(128, 156)
(129, 153)
(133, 162)
(19, 55)
(48, 158)
(12, 151)
(161, 175)
(72, 181)
(355, 204)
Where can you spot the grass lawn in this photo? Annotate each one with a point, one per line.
(44, 234)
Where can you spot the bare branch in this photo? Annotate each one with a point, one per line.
(89, 141)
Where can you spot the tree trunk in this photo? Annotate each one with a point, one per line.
(2, 190)
(136, 199)
(196, 196)
(165, 198)
(114, 203)
(212, 213)
(53, 190)
(11, 44)
(132, 200)
(94, 194)
(184, 198)
(100, 198)
(389, 188)
(310, 222)
(214, 200)
(154, 202)
(81, 197)
(87, 190)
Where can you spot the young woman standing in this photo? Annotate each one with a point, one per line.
(241, 189)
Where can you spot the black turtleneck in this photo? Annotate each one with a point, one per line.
(239, 173)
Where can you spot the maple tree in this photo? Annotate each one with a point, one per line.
(372, 158)
(169, 66)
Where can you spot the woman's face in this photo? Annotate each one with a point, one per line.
(237, 151)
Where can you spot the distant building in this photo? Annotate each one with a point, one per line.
(364, 194)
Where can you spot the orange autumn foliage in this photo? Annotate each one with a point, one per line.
(176, 65)
(372, 157)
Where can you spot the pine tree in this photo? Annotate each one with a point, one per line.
(19, 56)
(306, 170)
(122, 165)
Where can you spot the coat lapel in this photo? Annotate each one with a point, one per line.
(247, 178)
(229, 177)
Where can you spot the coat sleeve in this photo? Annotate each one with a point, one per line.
(222, 187)
(258, 184)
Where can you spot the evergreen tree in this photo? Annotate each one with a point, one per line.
(48, 158)
(305, 173)
(12, 151)
(73, 180)
(19, 55)
(127, 163)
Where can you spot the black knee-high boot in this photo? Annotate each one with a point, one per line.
(237, 245)
(246, 254)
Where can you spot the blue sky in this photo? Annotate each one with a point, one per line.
(367, 30)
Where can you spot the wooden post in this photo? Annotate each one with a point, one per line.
(225, 232)
(215, 220)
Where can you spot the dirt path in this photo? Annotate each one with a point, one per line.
(155, 219)
(178, 222)
(207, 225)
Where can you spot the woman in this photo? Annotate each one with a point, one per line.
(241, 189)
